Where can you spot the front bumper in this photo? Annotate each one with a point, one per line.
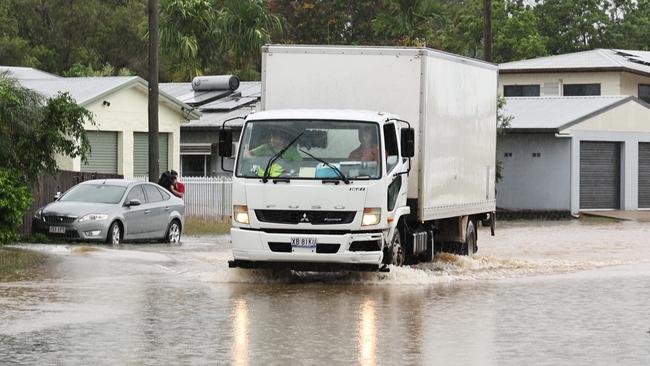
(75, 231)
(251, 249)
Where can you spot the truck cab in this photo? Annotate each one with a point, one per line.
(320, 189)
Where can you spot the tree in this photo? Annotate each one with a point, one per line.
(33, 130)
(55, 125)
(572, 26)
(409, 22)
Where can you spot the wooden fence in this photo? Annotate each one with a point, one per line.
(48, 186)
(206, 196)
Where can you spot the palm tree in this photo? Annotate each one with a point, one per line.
(245, 26)
(409, 22)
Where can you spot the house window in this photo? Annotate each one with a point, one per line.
(537, 155)
(581, 89)
(195, 165)
(521, 90)
(507, 155)
(644, 92)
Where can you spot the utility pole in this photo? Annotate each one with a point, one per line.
(487, 30)
(153, 91)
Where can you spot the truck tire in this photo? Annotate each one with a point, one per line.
(394, 253)
(470, 246)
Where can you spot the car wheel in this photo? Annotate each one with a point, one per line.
(173, 235)
(114, 235)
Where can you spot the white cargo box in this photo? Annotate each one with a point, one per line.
(449, 100)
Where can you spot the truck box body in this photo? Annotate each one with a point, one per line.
(450, 101)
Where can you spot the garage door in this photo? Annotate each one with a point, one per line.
(141, 153)
(600, 169)
(103, 152)
(644, 175)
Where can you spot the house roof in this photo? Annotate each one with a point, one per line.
(552, 114)
(637, 62)
(85, 90)
(26, 73)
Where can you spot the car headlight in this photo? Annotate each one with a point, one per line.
(38, 214)
(93, 217)
(371, 216)
(240, 214)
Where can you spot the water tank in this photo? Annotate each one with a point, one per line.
(216, 82)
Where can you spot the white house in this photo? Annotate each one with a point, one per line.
(580, 135)
(119, 138)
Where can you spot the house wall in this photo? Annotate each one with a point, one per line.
(128, 113)
(630, 83)
(611, 82)
(208, 136)
(534, 183)
(628, 124)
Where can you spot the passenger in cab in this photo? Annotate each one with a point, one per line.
(369, 148)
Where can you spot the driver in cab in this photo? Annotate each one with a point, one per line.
(278, 140)
(369, 149)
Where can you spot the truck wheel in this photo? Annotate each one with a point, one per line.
(469, 246)
(395, 253)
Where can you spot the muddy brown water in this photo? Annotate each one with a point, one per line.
(569, 292)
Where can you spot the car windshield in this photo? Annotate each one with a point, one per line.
(94, 193)
(315, 149)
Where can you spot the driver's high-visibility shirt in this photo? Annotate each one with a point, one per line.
(276, 169)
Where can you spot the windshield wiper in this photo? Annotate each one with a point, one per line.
(267, 171)
(333, 167)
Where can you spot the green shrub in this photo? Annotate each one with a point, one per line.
(15, 198)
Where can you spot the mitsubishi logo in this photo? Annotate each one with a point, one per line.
(304, 218)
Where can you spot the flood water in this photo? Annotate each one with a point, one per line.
(569, 292)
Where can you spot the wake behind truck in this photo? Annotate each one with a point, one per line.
(363, 157)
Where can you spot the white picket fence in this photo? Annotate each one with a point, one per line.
(206, 196)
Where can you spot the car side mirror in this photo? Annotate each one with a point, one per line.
(225, 143)
(133, 202)
(407, 138)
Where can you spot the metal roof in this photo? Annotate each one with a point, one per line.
(185, 92)
(85, 90)
(532, 114)
(26, 73)
(216, 119)
(637, 62)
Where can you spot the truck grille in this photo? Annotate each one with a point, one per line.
(59, 219)
(306, 217)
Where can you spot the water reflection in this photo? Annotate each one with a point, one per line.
(240, 330)
(367, 334)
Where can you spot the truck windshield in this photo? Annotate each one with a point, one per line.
(321, 148)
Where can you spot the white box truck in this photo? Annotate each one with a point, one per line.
(363, 157)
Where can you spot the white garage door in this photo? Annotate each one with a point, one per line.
(103, 152)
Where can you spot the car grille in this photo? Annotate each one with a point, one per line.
(306, 217)
(59, 219)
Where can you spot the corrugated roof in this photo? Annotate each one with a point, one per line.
(186, 93)
(553, 113)
(598, 59)
(216, 119)
(27, 73)
(82, 89)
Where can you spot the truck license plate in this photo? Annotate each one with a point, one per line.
(303, 242)
(57, 229)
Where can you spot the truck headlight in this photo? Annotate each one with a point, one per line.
(93, 217)
(371, 216)
(241, 214)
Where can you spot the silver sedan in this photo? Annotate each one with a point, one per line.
(113, 210)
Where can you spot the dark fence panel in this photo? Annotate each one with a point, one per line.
(48, 186)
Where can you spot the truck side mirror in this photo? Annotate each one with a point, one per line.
(225, 143)
(407, 138)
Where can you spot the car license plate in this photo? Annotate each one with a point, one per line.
(303, 242)
(57, 229)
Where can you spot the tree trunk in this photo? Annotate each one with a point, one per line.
(153, 91)
(487, 30)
